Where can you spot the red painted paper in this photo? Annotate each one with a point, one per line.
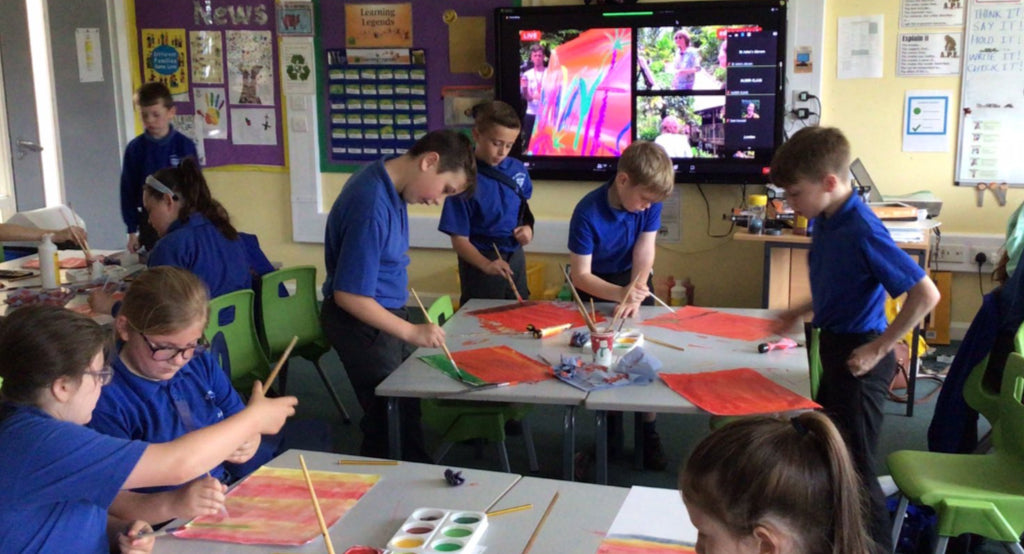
(65, 263)
(273, 506)
(515, 317)
(732, 392)
(501, 364)
(711, 322)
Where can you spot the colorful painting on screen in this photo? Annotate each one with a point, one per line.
(272, 506)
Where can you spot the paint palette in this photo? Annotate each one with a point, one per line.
(626, 340)
(438, 530)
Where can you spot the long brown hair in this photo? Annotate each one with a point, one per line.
(191, 190)
(797, 471)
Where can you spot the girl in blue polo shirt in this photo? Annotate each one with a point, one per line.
(57, 477)
(167, 384)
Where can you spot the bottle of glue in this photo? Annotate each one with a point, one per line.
(49, 263)
(677, 296)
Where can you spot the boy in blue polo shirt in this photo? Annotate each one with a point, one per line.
(366, 247)
(853, 264)
(159, 146)
(497, 214)
(611, 242)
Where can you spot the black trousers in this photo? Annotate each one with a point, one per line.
(477, 284)
(856, 405)
(369, 356)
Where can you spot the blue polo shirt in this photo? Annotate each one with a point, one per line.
(133, 407)
(366, 242)
(57, 480)
(145, 156)
(490, 215)
(198, 246)
(853, 264)
(607, 234)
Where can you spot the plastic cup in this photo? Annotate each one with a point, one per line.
(602, 343)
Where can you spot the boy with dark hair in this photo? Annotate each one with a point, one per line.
(853, 264)
(497, 215)
(366, 245)
(611, 244)
(159, 146)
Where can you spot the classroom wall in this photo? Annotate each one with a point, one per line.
(725, 272)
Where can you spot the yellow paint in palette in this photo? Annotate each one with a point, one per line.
(439, 530)
(407, 543)
(627, 340)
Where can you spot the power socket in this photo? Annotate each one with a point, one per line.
(802, 113)
(801, 96)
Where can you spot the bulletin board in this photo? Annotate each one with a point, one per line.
(220, 60)
(429, 56)
(992, 105)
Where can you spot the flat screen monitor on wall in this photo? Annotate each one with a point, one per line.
(704, 79)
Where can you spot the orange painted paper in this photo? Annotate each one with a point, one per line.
(711, 322)
(741, 391)
(501, 364)
(515, 317)
(65, 263)
(272, 506)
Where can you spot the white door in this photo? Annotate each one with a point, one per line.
(21, 174)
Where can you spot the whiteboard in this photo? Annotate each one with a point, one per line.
(991, 147)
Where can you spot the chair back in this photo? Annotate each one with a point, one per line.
(441, 310)
(288, 307)
(1008, 432)
(233, 339)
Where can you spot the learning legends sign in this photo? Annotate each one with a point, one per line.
(376, 25)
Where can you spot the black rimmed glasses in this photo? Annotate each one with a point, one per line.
(164, 353)
(104, 376)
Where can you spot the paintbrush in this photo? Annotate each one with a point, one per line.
(540, 524)
(619, 309)
(662, 302)
(479, 388)
(280, 364)
(579, 303)
(316, 506)
(511, 281)
(159, 533)
(79, 240)
(444, 346)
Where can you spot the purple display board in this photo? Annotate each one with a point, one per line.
(429, 33)
(247, 101)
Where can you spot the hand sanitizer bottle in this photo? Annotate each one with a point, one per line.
(49, 263)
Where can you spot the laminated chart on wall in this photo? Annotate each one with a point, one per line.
(377, 102)
(272, 506)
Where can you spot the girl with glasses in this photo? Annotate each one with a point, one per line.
(166, 384)
(57, 477)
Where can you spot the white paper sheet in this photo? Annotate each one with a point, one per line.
(657, 514)
(860, 47)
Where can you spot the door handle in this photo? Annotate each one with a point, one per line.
(25, 146)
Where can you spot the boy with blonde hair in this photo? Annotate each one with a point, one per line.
(853, 263)
(496, 216)
(611, 244)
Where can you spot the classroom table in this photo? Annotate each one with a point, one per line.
(415, 379)
(703, 353)
(577, 522)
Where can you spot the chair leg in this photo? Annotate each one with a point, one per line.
(940, 545)
(1014, 547)
(442, 449)
(897, 525)
(331, 391)
(503, 456)
(531, 452)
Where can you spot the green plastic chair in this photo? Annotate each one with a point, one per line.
(233, 339)
(460, 420)
(972, 493)
(295, 315)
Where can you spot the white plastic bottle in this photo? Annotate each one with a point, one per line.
(97, 271)
(49, 263)
(677, 295)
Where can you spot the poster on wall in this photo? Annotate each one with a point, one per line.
(928, 54)
(163, 52)
(297, 66)
(250, 67)
(931, 13)
(253, 126)
(210, 104)
(295, 19)
(207, 50)
(373, 25)
(191, 126)
(90, 55)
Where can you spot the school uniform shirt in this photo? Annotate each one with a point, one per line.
(491, 214)
(145, 156)
(198, 246)
(607, 234)
(853, 264)
(133, 407)
(57, 480)
(366, 242)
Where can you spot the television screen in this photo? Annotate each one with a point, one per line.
(703, 79)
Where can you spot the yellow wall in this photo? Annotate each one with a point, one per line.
(725, 272)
